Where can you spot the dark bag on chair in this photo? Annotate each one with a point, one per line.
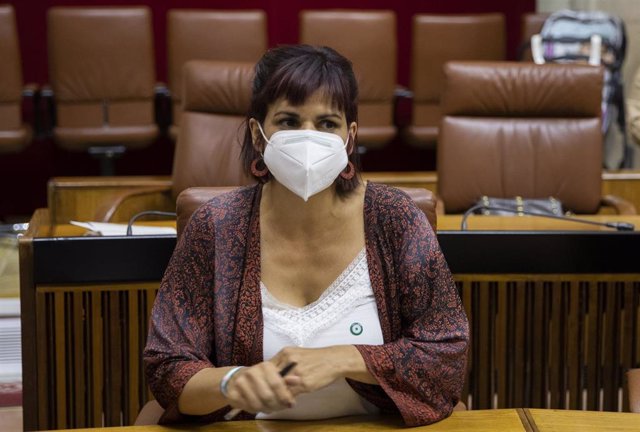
(518, 206)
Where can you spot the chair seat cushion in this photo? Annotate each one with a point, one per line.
(81, 139)
(12, 141)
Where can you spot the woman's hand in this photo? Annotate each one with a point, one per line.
(260, 388)
(318, 367)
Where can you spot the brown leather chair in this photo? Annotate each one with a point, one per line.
(368, 39)
(200, 34)
(520, 129)
(102, 71)
(14, 134)
(216, 98)
(190, 199)
(437, 39)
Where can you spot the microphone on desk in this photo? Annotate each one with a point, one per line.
(136, 216)
(620, 226)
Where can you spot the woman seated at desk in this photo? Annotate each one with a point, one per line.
(311, 267)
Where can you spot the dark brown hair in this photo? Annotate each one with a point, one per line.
(295, 72)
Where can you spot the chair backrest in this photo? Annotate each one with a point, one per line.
(14, 136)
(520, 129)
(202, 34)
(216, 99)
(436, 40)
(368, 39)
(102, 71)
(190, 199)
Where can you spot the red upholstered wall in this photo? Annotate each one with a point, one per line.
(30, 170)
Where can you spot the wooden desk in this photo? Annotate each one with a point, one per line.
(531, 223)
(500, 420)
(581, 421)
(554, 316)
(505, 420)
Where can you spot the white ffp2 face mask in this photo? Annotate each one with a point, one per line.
(305, 161)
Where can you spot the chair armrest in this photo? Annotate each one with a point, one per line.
(402, 103)
(620, 205)
(163, 107)
(440, 210)
(47, 110)
(31, 107)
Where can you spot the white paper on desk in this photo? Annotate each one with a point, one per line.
(113, 229)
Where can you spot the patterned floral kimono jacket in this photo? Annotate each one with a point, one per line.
(208, 309)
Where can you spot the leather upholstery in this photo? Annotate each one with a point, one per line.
(520, 129)
(103, 75)
(368, 39)
(14, 135)
(216, 98)
(200, 34)
(190, 199)
(436, 40)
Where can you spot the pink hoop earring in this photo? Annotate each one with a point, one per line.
(254, 168)
(349, 172)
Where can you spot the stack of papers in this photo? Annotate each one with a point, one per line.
(113, 229)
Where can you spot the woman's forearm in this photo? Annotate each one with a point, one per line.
(354, 366)
(201, 395)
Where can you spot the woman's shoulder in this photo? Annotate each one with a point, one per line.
(389, 199)
(229, 206)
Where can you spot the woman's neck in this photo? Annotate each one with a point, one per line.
(291, 216)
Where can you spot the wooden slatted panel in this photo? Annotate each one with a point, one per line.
(466, 295)
(611, 347)
(502, 342)
(133, 359)
(483, 350)
(629, 334)
(536, 341)
(150, 298)
(564, 342)
(557, 349)
(60, 361)
(520, 341)
(594, 349)
(96, 364)
(575, 348)
(93, 338)
(44, 341)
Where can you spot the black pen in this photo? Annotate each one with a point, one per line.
(283, 372)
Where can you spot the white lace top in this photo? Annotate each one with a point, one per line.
(345, 313)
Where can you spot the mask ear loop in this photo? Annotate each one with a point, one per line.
(263, 136)
(350, 170)
(261, 174)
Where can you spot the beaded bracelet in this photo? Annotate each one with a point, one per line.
(224, 382)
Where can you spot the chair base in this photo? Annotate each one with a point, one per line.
(106, 155)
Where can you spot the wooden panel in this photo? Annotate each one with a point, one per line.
(73, 198)
(548, 341)
(624, 183)
(95, 334)
(551, 341)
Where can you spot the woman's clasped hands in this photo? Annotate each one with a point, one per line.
(261, 388)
